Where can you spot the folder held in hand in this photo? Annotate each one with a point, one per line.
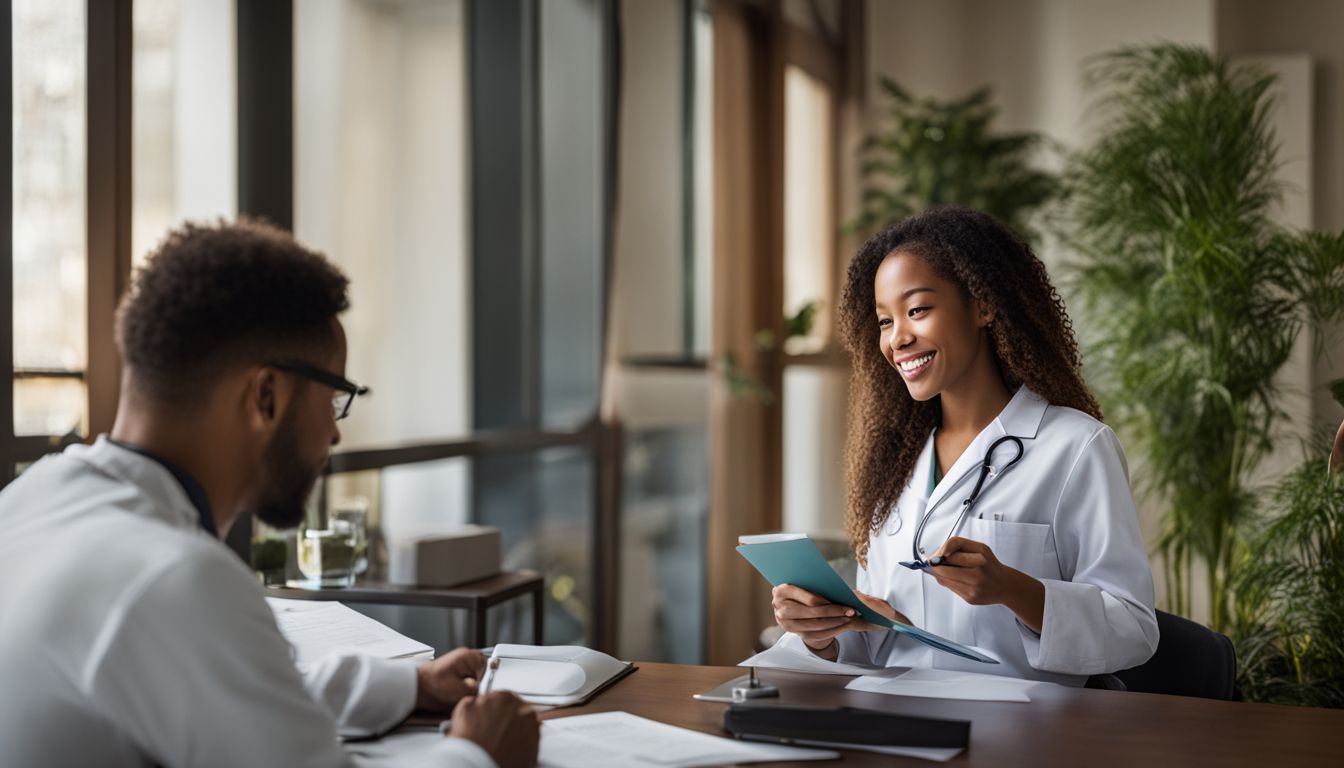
(794, 559)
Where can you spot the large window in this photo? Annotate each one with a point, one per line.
(183, 165)
(455, 164)
(49, 119)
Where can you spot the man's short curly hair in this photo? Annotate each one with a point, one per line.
(215, 296)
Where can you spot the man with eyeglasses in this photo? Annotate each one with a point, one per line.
(129, 634)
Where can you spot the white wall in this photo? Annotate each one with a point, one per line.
(1312, 28)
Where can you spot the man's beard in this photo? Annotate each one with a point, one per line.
(288, 483)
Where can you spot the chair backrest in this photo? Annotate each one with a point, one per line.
(1191, 660)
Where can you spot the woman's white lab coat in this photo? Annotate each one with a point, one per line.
(1063, 514)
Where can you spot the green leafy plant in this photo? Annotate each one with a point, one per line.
(740, 381)
(934, 152)
(1194, 297)
(1289, 617)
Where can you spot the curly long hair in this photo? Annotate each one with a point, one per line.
(1031, 340)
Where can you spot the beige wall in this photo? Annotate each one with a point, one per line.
(1314, 28)
(1031, 51)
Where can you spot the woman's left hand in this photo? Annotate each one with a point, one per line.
(970, 569)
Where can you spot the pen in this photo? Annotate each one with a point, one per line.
(489, 676)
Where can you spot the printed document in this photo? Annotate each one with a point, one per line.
(317, 629)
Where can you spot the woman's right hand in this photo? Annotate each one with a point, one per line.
(883, 608)
(817, 621)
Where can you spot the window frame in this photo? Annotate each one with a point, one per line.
(8, 449)
(107, 223)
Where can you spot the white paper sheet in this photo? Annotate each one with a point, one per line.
(318, 629)
(800, 661)
(940, 754)
(945, 684)
(615, 740)
(619, 739)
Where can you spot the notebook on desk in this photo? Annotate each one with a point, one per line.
(792, 558)
(555, 675)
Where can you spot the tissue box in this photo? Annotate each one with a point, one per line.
(445, 559)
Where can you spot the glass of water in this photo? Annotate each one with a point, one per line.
(327, 556)
(352, 515)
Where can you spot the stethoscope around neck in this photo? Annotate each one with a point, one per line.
(987, 470)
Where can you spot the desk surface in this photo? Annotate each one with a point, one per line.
(1059, 727)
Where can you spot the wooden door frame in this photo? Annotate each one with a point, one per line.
(753, 44)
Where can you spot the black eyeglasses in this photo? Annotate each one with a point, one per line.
(346, 390)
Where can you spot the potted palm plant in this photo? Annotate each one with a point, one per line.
(1288, 622)
(1193, 296)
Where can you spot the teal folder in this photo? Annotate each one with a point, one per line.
(800, 563)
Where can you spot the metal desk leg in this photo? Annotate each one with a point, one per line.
(478, 625)
(538, 611)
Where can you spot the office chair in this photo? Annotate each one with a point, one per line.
(1191, 660)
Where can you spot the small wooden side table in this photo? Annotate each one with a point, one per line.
(475, 597)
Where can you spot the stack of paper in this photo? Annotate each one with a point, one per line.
(783, 657)
(945, 684)
(900, 681)
(319, 629)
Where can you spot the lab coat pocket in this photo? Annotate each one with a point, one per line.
(1017, 545)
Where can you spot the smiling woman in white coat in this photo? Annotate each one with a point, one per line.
(988, 502)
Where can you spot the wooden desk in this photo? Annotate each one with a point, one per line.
(476, 597)
(1060, 727)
